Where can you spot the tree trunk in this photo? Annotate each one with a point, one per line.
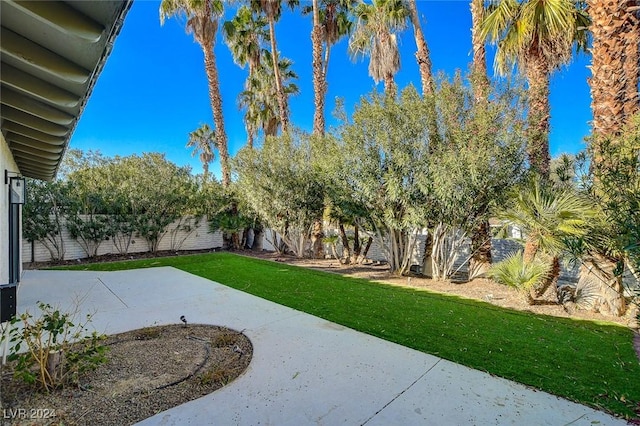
(537, 71)
(480, 80)
(357, 247)
(599, 289)
(550, 281)
(366, 249)
(216, 106)
(390, 86)
(258, 236)
(632, 58)
(427, 258)
(531, 247)
(422, 53)
(282, 98)
(319, 79)
(317, 245)
(481, 250)
(346, 250)
(614, 66)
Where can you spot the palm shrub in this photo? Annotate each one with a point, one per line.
(551, 218)
(515, 272)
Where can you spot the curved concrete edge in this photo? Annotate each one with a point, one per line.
(304, 370)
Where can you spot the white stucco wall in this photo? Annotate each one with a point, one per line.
(6, 163)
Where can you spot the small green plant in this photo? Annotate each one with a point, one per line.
(515, 272)
(52, 350)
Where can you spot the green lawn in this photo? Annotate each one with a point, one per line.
(592, 363)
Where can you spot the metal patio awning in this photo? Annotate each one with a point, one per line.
(51, 53)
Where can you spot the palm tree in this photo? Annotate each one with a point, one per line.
(330, 23)
(375, 35)
(202, 21)
(202, 140)
(538, 36)
(549, 217)
(614, 101)
(615, 57)
(422, 52)
(272, 10)
(245, 36)
(259, 99)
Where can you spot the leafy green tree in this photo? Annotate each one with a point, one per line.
(43, 215)
(384, 152)
(616, 187)
(88, 217)
(279, 183)
(163, 193)
(463, 179)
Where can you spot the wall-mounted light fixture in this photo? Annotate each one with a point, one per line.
(17, 187)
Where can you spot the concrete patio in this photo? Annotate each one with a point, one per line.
(305, 370)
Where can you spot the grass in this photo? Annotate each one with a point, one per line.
(588, 362)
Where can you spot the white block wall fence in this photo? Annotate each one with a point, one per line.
(198, 238)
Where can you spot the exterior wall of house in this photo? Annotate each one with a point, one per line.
(6, 163)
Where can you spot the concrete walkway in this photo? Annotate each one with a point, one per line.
(304, 370)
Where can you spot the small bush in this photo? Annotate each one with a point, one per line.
(51, 350)
(515, 272)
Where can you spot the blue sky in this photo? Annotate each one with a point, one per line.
(153, 89)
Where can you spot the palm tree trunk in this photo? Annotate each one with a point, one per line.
(632, 58)
(551, 281)
(282, 99)
(216, 107)
(599, 288)
(422, 53)
(537, 71)
(480, 80)
(530, 250)
(390, 86)
(614, 65)
(319, 79)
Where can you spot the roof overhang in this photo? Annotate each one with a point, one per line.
(51, 54)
